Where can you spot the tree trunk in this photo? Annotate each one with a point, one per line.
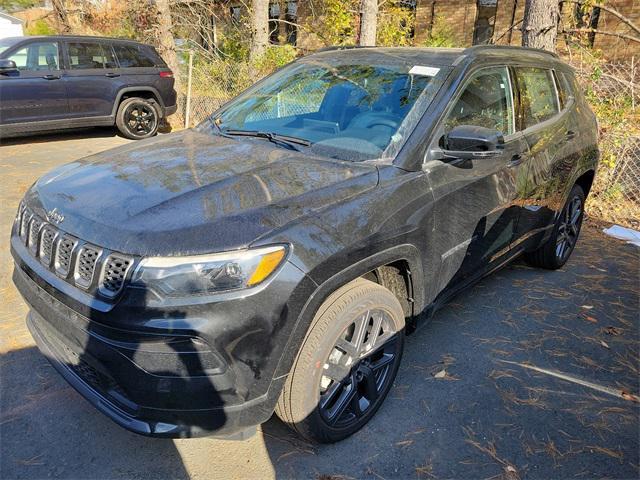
(368, 22)
(61, 17)
(166, 44)
(259, 28)
(540, 24)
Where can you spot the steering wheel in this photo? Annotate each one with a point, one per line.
(372, 119)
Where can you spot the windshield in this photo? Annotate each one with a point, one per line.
(347, 110)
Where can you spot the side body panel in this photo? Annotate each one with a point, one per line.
(32, 95)
(91, 91)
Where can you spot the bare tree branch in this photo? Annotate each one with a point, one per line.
(607, 9)
(602, 32)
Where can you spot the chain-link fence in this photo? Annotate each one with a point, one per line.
(614, 91)
(207, 82)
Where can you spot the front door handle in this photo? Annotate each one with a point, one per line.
(51, 77)
(111, 74)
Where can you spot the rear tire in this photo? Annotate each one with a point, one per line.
(346, 365)
(555, 252)
(138, 118)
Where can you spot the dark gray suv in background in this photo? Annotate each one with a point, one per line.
(275, 257)
(50, 83)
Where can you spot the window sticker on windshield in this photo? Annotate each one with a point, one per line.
(422, 70)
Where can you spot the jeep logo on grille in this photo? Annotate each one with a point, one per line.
(55, 216)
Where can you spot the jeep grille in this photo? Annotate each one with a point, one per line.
(94, 269)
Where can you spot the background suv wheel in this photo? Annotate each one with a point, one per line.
(138, 118)
(347, 363)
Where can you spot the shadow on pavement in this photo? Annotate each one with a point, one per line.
(60, 135)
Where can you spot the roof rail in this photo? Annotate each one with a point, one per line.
(343, 47)
(477, 48)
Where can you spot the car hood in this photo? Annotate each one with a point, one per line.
(192, 192)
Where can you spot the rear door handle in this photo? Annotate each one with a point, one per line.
(111, 74)
(51, 77)
(516, 160)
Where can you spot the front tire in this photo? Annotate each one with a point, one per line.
(555, 252)
(346, 365)
(137, 118)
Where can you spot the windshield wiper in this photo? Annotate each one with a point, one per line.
(272, 137)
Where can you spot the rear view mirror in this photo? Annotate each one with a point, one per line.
(7, 66)
(469, 142)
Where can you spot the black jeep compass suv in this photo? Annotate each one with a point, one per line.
(275, 257)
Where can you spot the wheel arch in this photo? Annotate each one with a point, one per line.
(399, 269)
(148, 93)
(585, 181)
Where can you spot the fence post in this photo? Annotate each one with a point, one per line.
(633, 82)
(187, 114)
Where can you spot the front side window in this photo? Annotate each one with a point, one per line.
(538, 99)
(84, 56)
(131, 56)
(37, 56)
(345, 109)
(486, 101)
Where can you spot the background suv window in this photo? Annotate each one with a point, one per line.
(538, 98)
(37, 56)
(486, 101)
(131, 56)
(90, 55)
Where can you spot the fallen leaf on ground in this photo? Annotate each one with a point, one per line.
(631, 397)
(441, 374)
(590, 319)
(587, 307)
(612, 331)
(604, 344)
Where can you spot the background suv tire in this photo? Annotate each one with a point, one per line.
(555, 252)
(347, 363)
(138, 118)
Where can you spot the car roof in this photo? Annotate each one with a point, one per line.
(443, 56)
(74, 37)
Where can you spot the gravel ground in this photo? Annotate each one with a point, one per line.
(540, 372)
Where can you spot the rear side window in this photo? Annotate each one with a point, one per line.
(84, 55)
(565, 94)
(37, 56)
(538, 98)
(131, 56)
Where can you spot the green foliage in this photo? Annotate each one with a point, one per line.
(441, 34)
(396, 25)
(335, 22)
(276, 56)
(17, 5)
(232, 46)
(40, 27)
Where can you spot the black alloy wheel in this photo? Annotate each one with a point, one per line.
(357, 369)
(346, 364)
(138, 118)
(569, 228)
(141, 119)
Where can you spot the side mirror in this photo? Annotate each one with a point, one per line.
(469, 142)
(8, 66)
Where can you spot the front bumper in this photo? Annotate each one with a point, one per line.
(199, 370)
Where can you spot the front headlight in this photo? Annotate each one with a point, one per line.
(206, 274)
